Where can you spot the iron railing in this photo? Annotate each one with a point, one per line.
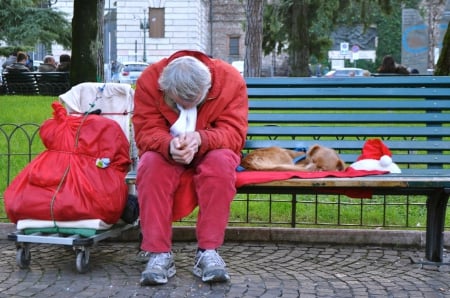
(20, 143)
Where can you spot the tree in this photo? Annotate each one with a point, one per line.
(443, 64)
(100, 39)
(253, 38)
(23, 23)
(434, 10)
(303, 27)
(389, 30)
(299, 39)
(87, 44)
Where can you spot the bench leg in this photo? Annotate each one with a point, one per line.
(436, 209)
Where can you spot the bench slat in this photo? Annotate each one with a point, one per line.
(302, 104)
(344, 118)
(339, 132)
(400, 81)
(339, 92)
(406, 158)
(416, 183)
(349, 145)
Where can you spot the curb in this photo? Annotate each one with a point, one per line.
(301, 235)
(316, 235)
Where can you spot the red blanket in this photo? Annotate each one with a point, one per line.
(186, 201)
(251, 177)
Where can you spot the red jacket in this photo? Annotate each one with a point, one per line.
(221, 120)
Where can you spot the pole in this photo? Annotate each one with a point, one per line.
(135, 50)
(108, 56)
(144, 27)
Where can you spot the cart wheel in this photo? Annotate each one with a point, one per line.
(82, 261)
(23, 256)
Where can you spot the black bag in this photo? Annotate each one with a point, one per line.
(131, 211)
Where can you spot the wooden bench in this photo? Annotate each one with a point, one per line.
(36, 83)
(410, 114)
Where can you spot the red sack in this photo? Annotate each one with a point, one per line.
(67, 181)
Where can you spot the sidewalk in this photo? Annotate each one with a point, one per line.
(257, 269)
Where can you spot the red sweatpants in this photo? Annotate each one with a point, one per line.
(157, 180)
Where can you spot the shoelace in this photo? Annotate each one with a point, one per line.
(158, 259)
(210, 256)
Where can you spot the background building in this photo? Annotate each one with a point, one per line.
(148, 30)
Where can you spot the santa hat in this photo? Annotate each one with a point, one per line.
(375, 156)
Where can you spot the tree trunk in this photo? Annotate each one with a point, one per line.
(443, 64)
(85, 42)
(253, 38)
(435, 11)
(100, 39)
(299, 39)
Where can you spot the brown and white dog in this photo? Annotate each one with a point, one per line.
(317, 158)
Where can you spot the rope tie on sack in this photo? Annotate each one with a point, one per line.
(98, 95)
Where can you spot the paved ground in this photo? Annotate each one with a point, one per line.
(257, 269)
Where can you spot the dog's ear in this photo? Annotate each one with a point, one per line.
(312, 150)
(340, 165)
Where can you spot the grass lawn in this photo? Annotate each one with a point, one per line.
(25, 109)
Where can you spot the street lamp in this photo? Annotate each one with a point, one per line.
(144, 26)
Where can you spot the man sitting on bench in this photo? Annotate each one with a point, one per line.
(190, 120)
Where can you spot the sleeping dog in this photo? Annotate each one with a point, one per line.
(317, 158)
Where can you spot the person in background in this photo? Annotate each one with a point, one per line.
(11, 59)
(190, 123)
(48, 65)
(390, 66)
(20, 64)
(64, 63)
(115, 66)
(29, 63)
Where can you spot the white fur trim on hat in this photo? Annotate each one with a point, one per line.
(384, 164)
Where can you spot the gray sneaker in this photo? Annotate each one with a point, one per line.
(143, 256)
(160, 268)
(210, 267)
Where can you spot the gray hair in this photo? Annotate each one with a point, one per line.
(49, 59)
(186, 77)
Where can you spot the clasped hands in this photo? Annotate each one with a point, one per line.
(184, 147)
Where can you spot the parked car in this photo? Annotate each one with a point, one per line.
(345, 72)
(239, 65)
(36, 64)
(129, 72)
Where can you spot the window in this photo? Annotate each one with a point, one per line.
(234, 46)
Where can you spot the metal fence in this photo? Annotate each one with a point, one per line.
(20, 143)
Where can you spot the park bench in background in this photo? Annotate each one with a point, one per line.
(52, 83)
(23, 83)
(36, 83)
